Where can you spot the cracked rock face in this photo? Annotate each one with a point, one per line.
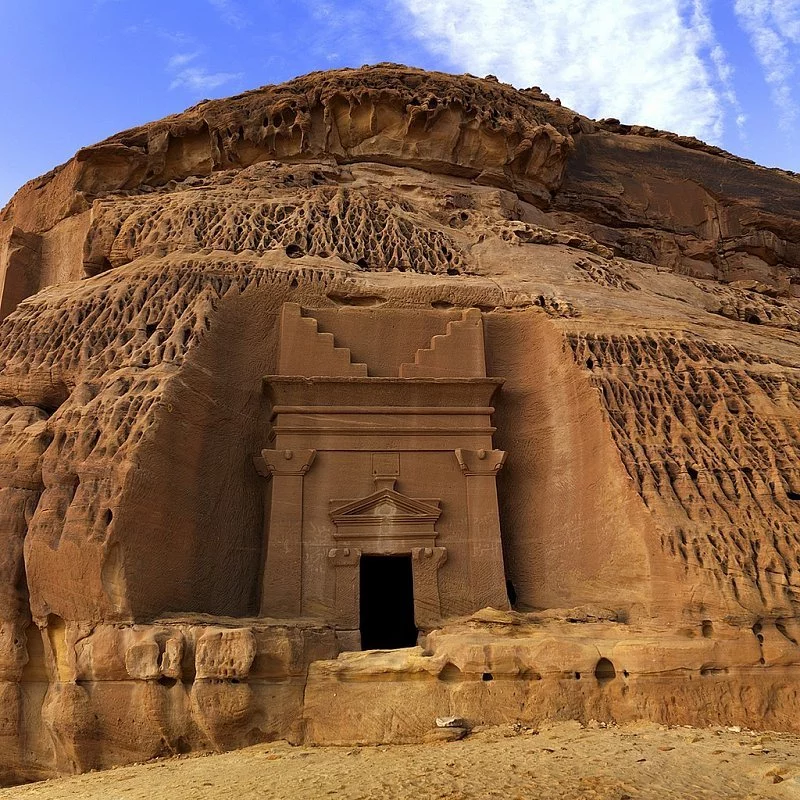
(641, 298)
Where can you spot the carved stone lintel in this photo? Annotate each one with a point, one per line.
(480, 462)
(284, 462)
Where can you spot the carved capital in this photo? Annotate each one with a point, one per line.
(480, 462)
(430, 556)
(284, 462)
(344, 556)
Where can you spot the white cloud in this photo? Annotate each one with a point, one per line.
(181, 59)
(774, 30)
(651, 62)
(787, 16)
(709, 47)
(199, 78)
(196, 77)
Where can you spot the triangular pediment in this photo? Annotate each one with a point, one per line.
(385, 504)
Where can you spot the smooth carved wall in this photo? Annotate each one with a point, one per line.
(371, 464)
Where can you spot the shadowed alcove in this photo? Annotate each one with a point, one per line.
(387, 602)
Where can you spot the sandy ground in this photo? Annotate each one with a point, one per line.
(559, 761)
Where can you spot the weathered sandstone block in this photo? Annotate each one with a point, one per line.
(225, 654)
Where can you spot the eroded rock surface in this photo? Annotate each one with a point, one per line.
(640, 297)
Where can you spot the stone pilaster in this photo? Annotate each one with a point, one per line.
(487, 576)
(345, 562)
(281, 589)
(425, 565)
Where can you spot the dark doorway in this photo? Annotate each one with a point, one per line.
(387, 603)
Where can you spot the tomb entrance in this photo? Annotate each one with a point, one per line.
(372, 476)
(386, 602)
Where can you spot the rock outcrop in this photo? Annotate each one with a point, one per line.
(639, 295)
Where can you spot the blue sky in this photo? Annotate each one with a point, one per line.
(77, 71)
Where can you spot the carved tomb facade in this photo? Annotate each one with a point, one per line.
(366, 468)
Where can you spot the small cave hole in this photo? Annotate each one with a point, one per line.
(149, 330)
(707, 629)
(168, 682)
(707, 671)
(109, 515)
(450, 673)
(792, 495)
(90, 270)
(604, 671)
(452, 271)
(753, 319)
(487, 676)
(577, 676)
(693, 473)
(625, 673)
(362, 263)
(294, 251)
(589, 363)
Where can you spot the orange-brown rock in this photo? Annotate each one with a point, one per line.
(261, 364)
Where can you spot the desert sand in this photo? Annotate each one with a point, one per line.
(564, 760)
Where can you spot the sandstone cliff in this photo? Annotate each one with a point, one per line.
(641, 298)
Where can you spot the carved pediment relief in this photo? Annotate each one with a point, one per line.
(392, 521)
(385, 504)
